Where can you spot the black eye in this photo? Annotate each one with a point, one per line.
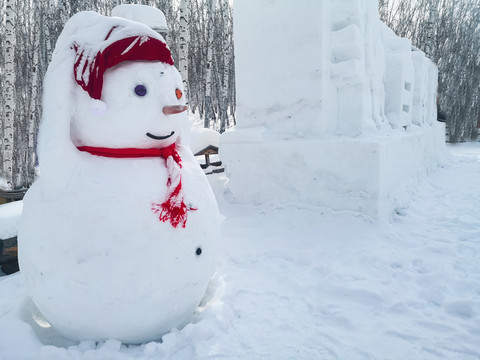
(140, 90)
(198, 251)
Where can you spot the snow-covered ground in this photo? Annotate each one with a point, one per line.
(309, 283)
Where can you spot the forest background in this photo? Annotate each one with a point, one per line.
(201, 35)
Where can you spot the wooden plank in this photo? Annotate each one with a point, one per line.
(9, 255)
(215, 171)
(11, 195)
(8, 250)
(210, 150)
(10, 268)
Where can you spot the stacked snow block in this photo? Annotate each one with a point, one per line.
(431, 100)
(333, 109)
(348, 65)
(421, 89)
(399, 80)
(348, 75)
(425, 89)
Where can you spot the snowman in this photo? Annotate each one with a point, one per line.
(119, 233)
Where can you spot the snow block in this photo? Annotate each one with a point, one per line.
(420, 89)
(347, 44)
(344, 13)
(399, 89)
(431, 101)
(348, 73)
(352, 108)
(364, 175)
(268, 56)
(375, 70)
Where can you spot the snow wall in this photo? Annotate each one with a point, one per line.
(333, 109)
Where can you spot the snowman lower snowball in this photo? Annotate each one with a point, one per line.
(119, 233)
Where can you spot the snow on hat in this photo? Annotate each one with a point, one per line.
(90, 64)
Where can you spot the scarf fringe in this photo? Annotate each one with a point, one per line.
(177, 215)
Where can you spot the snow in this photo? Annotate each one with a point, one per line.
(308, 282)
(10, 214)
(3, 184)
(202, 138)
(148, 15)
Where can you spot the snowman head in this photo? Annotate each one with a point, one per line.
(129, 94)
(92, 97)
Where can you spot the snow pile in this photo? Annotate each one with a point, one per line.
(3, 184)
(333, 109)
(148, 15)
(10, 215)
(201, 138)
(313, 284)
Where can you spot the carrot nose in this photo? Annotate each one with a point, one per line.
(174, 109)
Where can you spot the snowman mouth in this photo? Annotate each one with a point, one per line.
(156, 137)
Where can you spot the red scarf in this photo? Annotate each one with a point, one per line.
(173, 209)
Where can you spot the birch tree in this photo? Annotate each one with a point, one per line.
(184, 38)
(209, 65)
(35, 91)
(9, 92)
(227, 54)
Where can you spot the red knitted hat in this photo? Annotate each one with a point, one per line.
(89, 67)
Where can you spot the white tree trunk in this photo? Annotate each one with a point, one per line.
(431, 25)
(183, 45)
(34, 95)
(226, 67)
(209, 65)
(65, 11)
(9, 92)
(46, 30)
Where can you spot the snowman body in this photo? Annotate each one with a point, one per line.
(98, 261)
(101, 265)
